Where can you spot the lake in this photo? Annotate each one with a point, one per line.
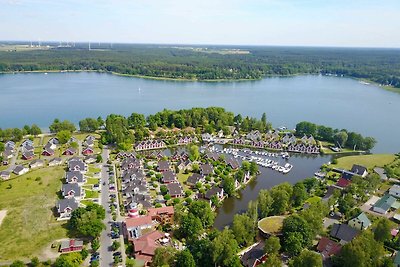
(332, 101)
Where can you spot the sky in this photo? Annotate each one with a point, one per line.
(348, 23)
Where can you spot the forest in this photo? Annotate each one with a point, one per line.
(381, 66)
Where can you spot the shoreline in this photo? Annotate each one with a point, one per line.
(368, 82)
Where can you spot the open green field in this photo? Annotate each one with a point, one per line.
(91, 181)
(272, 225)
(91, 194)
(30, 224)
(182, 178)
(368, 161)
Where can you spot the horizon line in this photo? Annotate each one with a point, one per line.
(205, 44)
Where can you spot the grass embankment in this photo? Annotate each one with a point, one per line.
(368, 161)
(271, 225)
(30, 224)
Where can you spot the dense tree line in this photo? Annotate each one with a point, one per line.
(341, 138)
(378, 65)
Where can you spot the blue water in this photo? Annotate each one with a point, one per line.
(332, 101)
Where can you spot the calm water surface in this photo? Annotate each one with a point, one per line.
(336, 102)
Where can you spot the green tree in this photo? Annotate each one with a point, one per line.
(225, 248)
(297, 234)
(185, 259)
(272, 245)
(229, 185)
(64, 136)
(115, 245)
(35, 262)
(17, 263)
(164, 256)
(190, 227)
(69, 260)
(194, 153)
(203, 211)
(264, 200)
(340, 138)
(243, 229)
(130, 262)
(306, 259)
(136, 121)
(88, 221)
(273, 260)
(306, 128)
(299, 194)
(65, 125)
(35, 130)
(383, 229)
(280, 203)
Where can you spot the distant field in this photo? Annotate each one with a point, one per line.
(368, 161)
(22, 48)
(30, 225)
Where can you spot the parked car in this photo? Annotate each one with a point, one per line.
(117, 254)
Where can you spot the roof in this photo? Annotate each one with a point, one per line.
(163, 210)
(385, 202)
(206, 169)
(174, 189)
(194, 178)
(395, 189)
(168, 176)
(358, 169)
(146, 244)
(36, 161)
(250, 257)
(344, 232)
(4, 173)
(71, 243)
(74, 174)
(138, 221)
(343, 182)
(28, 154)
(65, 188)
(18, 168)
(67, 203)
(213, 191)
(363, 219)
(55, 160)
(328, 247)
(163, 165)
(76, 164)
(397, 259)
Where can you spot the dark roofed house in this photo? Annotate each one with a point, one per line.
(90, 159)
(28, 155)
(20, 169)
(206, 169)
(66, 206)
(215, 191)
(55, 162)
(184, 164)
(343, 232)
(5, 175)
(168, 177)
(163, 166)
(69, 151)
(232, 162)
(255, 256)
(36, 163)
(175, 189)
(77, 165)
(72, 191)
(74, 177)
(212, 155)
(48, 151)
(328, 248)
(359, 170)
(194, 179)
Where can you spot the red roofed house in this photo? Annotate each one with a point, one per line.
(88, 151)
(342, 183)
(133, 227)
(328, 247)
(145, 246)
(162, 215)
(71, 245)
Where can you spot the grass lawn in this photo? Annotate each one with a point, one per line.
(368, 161)
(313, 200)
(91, 194)
(94, 169)
(86, 202)
(92, 181)
(30, 224)
(182, 178)
(271, 224)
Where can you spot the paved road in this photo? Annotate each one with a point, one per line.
(106, 257)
